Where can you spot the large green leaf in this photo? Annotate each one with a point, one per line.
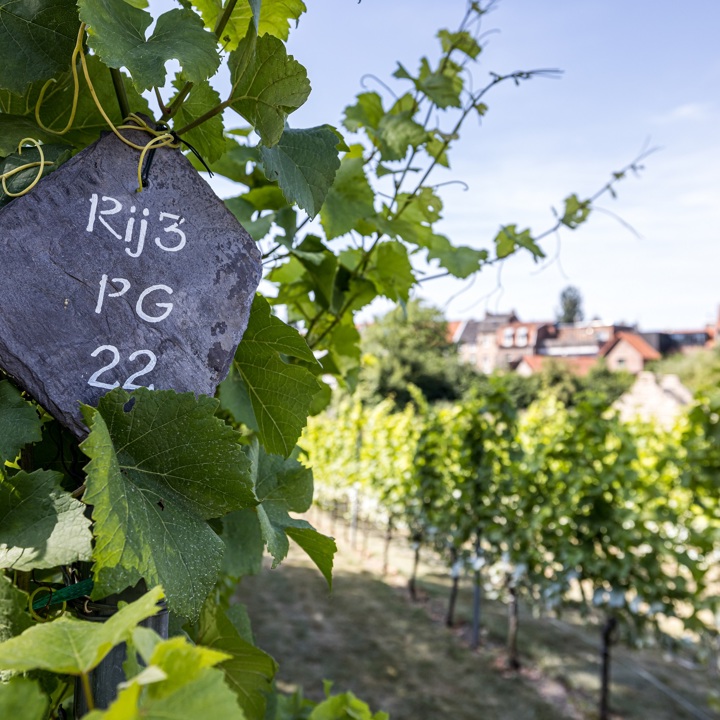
(19, 422)
(284, 485)
(161, 464)
(36, 40)
(23, 698)
(207, 138)
(41, 525)
(72, 646)
(249, 672)
(117, 33)
(275, 18)
(267, 85)
(350, 198)
(184, 686)
(304, 163)
(280, 393)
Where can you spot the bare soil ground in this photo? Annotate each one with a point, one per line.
(368, 637)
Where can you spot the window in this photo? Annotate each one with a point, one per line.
(508, 334)
(521, 337)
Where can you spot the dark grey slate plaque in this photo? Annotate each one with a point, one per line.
(102, 286)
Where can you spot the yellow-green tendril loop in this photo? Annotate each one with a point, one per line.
(39, 164)
(160, 138)
(37, 617)
(76, 88)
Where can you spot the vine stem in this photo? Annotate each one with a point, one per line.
(180, 98)
(474, 100)
(88, 691)
(120, 92)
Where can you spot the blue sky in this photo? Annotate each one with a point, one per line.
(646, 71)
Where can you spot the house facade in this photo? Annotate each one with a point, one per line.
(628, 351)
(501, 341)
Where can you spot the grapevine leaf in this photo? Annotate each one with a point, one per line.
(158, 469)
(350, 199)
(321, 265)
(233, 163)
(23, 698)
(443, 86)
(576, 211)
(117, 33)
(244, 543)
(14, 618)
(207, 138)
(56, 108)
(284, 485)
(274, 18)
(191, 688)
(267, 85)
(509, 239)
(72, 646)
(320, 548)
(397, 133)
(436, 147)
(13, 128)
(343, 344)
(304, 163)
(42, 526)
(459, 260)
(367, 112)
(19, 422)
(462, 41)
(249, 672)
(36, 40)
(346, 705)
(391, 271)
(280, 393)
(53, 155)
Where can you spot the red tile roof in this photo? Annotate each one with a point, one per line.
(647, 351)
(452, 328)
(579, 366)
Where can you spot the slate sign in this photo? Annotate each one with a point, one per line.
(104, 287)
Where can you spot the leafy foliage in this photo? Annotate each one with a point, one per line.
(35, 40)
(176, 488)
(410, 347)
(161, 464)
(41, 525)
(265, 392)
(72, 646)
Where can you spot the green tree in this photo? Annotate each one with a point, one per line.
(570, 305)
(699, 371)
(410, 346)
